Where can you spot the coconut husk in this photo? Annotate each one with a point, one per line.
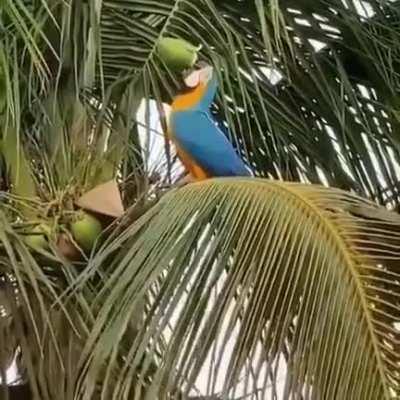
(103, 199)
(67, 248)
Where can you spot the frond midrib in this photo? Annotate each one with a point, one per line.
(349, 260)
(343, 250)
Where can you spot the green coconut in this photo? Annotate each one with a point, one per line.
(85, 229)
(177, 54)
(37, 238)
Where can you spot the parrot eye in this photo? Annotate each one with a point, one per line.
(202, 64)
(186, 72)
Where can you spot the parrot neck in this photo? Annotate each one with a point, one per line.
(189, 99)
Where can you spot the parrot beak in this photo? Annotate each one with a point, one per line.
(202, 75)
(193, 79)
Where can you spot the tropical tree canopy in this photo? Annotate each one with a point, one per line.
(281, 286)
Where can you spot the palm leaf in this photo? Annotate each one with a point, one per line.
(331, 118)
(21, 26)
(276, 281)
(18, 165)
(246, 279)
(43, 332)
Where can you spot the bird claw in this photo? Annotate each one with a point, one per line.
(185, 180)
(180, 183)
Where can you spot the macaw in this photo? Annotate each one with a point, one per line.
(201, 146)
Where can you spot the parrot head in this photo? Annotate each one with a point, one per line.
(196, 84)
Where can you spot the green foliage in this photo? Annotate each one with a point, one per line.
(313, 289)
(258, 275)
(22, 183)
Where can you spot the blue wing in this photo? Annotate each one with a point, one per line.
(197, 134)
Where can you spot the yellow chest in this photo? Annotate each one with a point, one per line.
(188, 100)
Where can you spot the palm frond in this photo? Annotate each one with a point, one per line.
(295, 112)
(325, 114)
(244, 279)
(43, 333)
(254, 288)
(22, 30)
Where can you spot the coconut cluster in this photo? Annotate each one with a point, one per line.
(78, 232)
(84, 229)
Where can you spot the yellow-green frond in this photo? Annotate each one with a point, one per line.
(249, 280)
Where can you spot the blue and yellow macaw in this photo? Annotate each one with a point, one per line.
(201, 146)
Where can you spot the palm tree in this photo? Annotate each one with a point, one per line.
(283, 286)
